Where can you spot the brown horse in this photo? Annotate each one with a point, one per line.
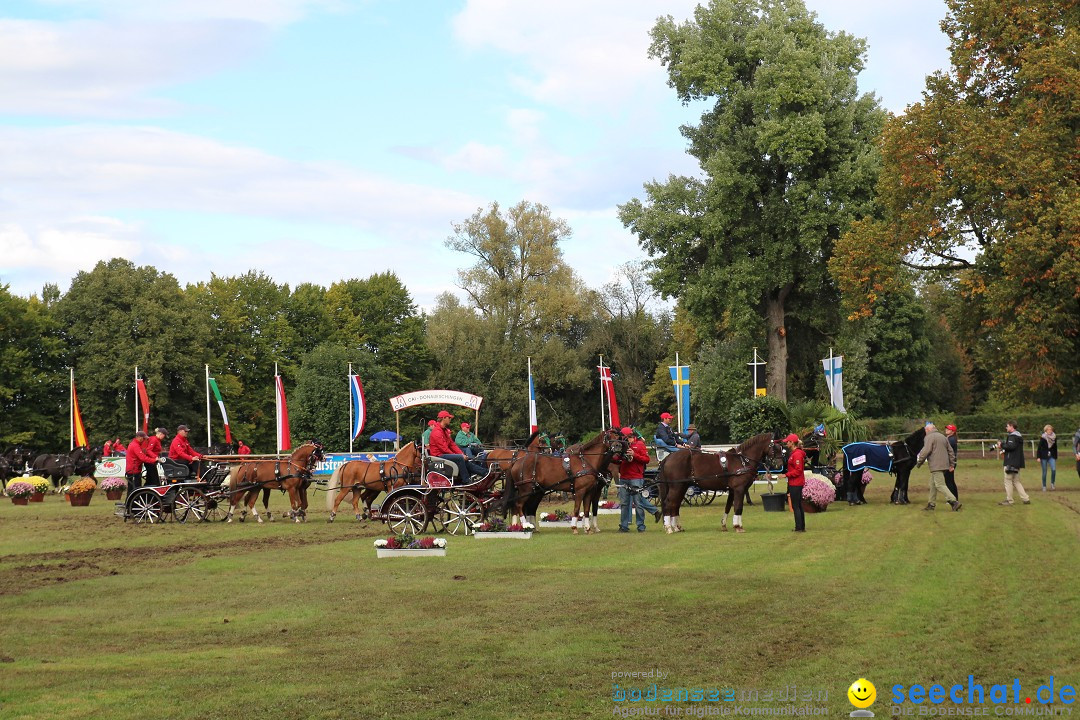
(368, 479)
(534, 473)
(292, 475)
(734, 471)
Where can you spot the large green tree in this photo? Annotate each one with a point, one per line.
(788, 160)
(980, 182)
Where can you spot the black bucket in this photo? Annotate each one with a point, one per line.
(774, 502)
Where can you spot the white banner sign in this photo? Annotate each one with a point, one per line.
(436, 397)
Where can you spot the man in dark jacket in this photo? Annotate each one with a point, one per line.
(1012, 452)
(950, 474)
(666, 439)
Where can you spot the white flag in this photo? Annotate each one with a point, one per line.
(834, 378)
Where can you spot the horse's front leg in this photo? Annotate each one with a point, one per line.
(578, 515)
(727, 511)
(294, 502)
(266, 504)
(736, 520)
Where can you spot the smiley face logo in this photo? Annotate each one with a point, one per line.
(862, 693)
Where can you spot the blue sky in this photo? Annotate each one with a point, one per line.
(323, 139)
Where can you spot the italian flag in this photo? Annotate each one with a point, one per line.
(221, 405)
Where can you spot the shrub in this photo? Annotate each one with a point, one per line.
(752, 416)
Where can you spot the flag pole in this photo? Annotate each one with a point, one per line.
(678, 388)
(351, 409)
(71, 405)
(208, 443)
(832, 380)
(603, 393)
(754, 374)
(277, 412)
(136, 398)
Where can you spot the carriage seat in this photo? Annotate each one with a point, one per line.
(173, 470)
(444, 467)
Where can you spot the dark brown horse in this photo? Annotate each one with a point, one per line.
(535, 473)
(734, 470)
(368, 479)
(292, 476)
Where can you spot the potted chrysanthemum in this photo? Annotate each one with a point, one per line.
(408, 545)
(113, 487)
(817, 494)
(20, 492)
(81, 491)
(41, 486)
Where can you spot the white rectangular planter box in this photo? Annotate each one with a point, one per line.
(403, 552)
(555, 523)
(511, 535)
(608, 511)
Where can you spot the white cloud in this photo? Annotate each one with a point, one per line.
(478, 158)
(97, 69)
(68, 246)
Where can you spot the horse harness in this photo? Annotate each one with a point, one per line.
(747, 468)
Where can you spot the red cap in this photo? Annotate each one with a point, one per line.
(792, 438)
(667, 416)
(432, 422)
(444, 413)
(465, 426)
(628, 431)
(951, 427)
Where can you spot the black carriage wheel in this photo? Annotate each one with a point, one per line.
(707, 497)
(189, 504)
(146, 508)
(407, 514)
(461, 513)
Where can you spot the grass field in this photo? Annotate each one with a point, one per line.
(102, 619)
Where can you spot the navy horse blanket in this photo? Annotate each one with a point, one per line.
(862, 455)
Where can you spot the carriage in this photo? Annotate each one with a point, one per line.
(438, 502)
(184, 496)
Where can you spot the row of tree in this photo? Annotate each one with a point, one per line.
(939, 252)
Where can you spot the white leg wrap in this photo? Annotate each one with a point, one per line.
(573, 521)
(737, 521)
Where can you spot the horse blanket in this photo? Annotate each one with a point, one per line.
(862, 455)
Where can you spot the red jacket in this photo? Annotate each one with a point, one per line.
(118, 448)
(795, 465)
(441, 444)
(106, 450)
(180, 449)
(153, 446)
(136, 456)
(635, 469)
(244, 450)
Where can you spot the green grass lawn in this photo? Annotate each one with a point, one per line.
(102, 619)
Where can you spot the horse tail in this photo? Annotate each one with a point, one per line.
(233, 472)
(334, 484)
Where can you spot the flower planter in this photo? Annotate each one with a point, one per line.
(67, 496)
(20, 500)
(810, 508)
(608, 511)
(555, 524)
(774, 502)
(37, 497)
(82, 499)
(114, 494)
(404, 552)
(520, 535)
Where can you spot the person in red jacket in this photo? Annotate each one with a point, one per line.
(442, 445)
(632, 476)
(137, 455)
(796, 478)
(241, 448)
(180, 450)
(106, 449)
(153, 445)
(118, 447)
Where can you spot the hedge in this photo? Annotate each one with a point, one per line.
(990, 424)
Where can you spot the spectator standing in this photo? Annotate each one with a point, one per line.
(1012, 452)
(1076, 450)
(950, 474)
(939, 454)
(118, 448)
(796, 479)
(241, 448)
(1048, 455)
(632, 475)
(106, 449)
(427, 433)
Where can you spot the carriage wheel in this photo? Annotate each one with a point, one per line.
(217, 508)
(707, 497)
(146, 508)
(460, 513)
(407, 514)
(693, 496)
(189, 504)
